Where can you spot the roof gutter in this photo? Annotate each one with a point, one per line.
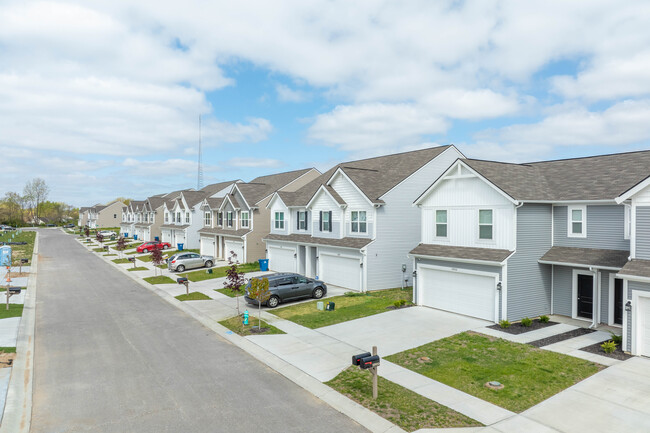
(460, 260)
(579, 265)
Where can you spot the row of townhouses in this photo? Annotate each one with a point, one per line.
(492, 240)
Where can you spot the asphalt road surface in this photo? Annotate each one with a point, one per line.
(111, 356)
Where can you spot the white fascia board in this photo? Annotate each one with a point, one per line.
(342, 173)
(322, 188)
(275, 197)
(633, 278)
(457, 260)
(422, 168)
(578, 265)
(635, 189)
(569, 202)
(229, 201)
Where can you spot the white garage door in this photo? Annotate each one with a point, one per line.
(179, 238)
(166, 236)
(238, 248)
(207, 246)
(643, 330)
(340, 271)
(458, 292)
(281, 259)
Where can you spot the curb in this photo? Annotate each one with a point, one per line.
(17, 416)
(337, 401)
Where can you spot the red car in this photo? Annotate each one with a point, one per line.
(150, 246)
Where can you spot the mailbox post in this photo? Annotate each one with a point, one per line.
(367, 361)
(11, 291)
(132, 260)
(185, 281)
(23, 262)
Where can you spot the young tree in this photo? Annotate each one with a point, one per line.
(234, 278)
(259, 290)
(100, 238)
(156, 259)
(87, 232)
(121, 246)
(37, 191)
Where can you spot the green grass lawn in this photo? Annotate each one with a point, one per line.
(193, 296)
(235, 325)
(144, 258)
(219, 272)
(7, 350)
(399, 405)
(159, 279)
(110, 255)
(98, 250)
(20, 251)
(4, 289)
(138, 268)
(347, 307)
(468, 360)
(121, 261)
(230, 293)
(15, 310)
(191, 250)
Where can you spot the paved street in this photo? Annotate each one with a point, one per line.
(110, 356)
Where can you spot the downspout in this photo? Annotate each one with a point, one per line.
(596, 303)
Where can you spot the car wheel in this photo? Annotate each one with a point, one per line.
(318, 293)
(180, 268)
(165, 247)
(145, 251)
(208, 264)
(273, 302)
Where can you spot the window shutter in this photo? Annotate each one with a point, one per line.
(330, 212)
(320, 224)
(298, 220)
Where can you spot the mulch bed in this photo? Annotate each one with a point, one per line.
(392, 307)
(617, 354)
(561, 337)
(258, 330)
(518, 328)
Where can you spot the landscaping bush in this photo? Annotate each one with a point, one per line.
(617, 339)
(526, 322)
(399, 303)
(544, 319)
(608, 346)
(504, 324)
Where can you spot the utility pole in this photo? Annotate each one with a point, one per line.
(199, 183)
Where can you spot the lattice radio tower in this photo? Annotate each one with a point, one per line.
(199, 181)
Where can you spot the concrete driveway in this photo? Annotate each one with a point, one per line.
(399, 330)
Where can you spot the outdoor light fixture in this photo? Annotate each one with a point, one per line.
(415, 274)
(499, 286)
(361, 264)
(628, 306)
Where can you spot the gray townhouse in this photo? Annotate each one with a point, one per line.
(102, 216)
(238, 221)
(354, 225)
(567, 237)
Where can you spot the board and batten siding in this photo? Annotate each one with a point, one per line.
(642, 233)
(631, 286)
(529, 282)
(355, 202)
(398, 225)
(605, 228)
(463, 198)
(278, 206)
(324, 203)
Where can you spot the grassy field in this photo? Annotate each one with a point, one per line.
(399, 405)
(468, 360)
(15, 310)
(193, 296)
(7, 350)
(138, 268)
(347, 307)
(235, 325)
(230, 293)
(121, 261)
(159, 279)
(20, 251)
(219, 272)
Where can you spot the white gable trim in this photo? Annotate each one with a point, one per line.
(342, 173)
(275, 196)
(229, 201)
(322, 188)
(632, 191)
(234, 187)
(448, 175)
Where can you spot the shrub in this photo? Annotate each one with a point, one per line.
(608, 346)
(617, 339)
(504, 324)
(354, 294)
(526, 322)
(544, 319)
(399, 303)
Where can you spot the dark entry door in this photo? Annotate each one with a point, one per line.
(618, 301)
(585, 296)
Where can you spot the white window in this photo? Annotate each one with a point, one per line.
(325, 222)
(441, 223)
(187, 217)
(628, 222)
(166, 217)
(244, 219)
(220, 219)
(146, 217)
(173, 217)
(279, 221)
(229, 218)
(302, 220)
(358, 221)
(577, 224)
(485, 226)
(208, 219)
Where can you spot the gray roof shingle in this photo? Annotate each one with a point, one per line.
(636, 268)
(586, 257)
(467, 253)
(356, 243)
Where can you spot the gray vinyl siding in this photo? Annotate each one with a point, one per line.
(562, 290)
(529, 282)
(605, 228)
(633, 285)
(604, 296)
(398, 225)
(642, 233)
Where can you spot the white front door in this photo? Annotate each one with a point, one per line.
(281, 259)
(340, 271)
(237, 247)
(468, 293)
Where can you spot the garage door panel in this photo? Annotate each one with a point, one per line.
(237, 248)
(207, 246)
(340, 271)
(281, 259)
(643, 333)
(458, 292)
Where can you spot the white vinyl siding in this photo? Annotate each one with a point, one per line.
(577, 223)
(356, 203)
(324, 203)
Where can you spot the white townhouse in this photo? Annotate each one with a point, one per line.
(354, 226)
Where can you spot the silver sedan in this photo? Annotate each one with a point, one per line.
(181, 261)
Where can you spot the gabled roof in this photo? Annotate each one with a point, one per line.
(263, 186)
(214, 202)
(491, 255)
(193, 197)
(216, 187)
(636, 268)
(611, 259)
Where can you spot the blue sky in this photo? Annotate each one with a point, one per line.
(102, 99)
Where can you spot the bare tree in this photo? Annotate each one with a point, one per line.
(36, 190)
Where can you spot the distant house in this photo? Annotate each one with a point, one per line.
(102, 216)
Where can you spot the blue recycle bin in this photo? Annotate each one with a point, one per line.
(135, 237)
(180, 247)
(5, 255)
(157, 239)
(264, 264)
(126, 235)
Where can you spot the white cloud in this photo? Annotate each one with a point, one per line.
(254, 162)
(287, 94)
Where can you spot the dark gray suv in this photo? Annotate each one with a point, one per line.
(287, 287)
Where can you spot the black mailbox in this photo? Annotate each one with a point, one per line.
(131, 259)
(24, 261)
(356, 359)
(14, 290)
(369, 362)
(106, 247)
(181, 280)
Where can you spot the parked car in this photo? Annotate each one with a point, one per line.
(181, 261)
(6, 228)
(68, 226)
(288, 287)
(150, 246)
(107, 233)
